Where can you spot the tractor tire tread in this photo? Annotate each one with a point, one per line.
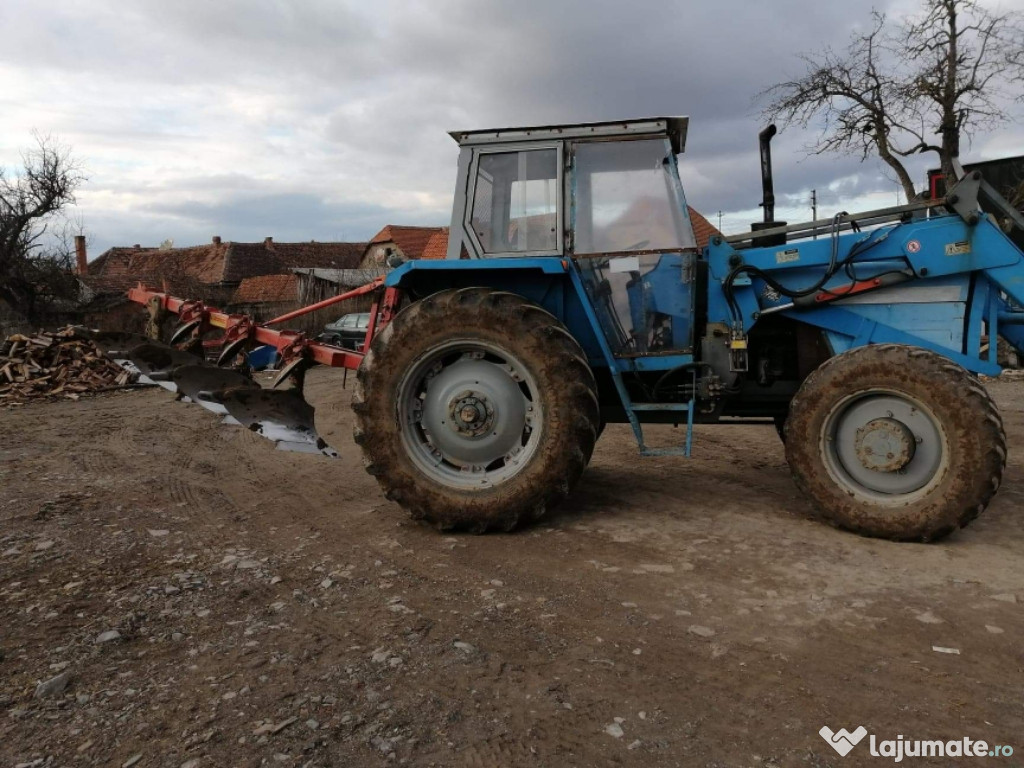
(971, 417)
(522, 499)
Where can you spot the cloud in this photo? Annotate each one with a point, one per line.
(317, 118)
(284, 216)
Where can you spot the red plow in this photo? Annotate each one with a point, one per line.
(205, 360)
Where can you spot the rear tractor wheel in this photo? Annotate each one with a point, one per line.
(895, 442)
(475, 409)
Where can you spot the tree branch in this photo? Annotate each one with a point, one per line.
(920, 86)
(35, 261)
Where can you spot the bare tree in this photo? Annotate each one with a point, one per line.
(920, 85)
(35, 234)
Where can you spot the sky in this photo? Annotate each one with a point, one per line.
(327, 119)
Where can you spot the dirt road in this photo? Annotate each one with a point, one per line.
(215, 602)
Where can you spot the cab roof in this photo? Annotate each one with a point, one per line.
(672, 127)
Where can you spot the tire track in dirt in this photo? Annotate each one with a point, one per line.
(580, 595)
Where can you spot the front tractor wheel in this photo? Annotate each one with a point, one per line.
(895, 442)
(475, 409)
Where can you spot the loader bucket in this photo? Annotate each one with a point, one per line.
(279, 415)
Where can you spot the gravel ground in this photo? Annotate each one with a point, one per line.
(174, 593)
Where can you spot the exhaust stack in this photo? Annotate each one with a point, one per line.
(767, 187)
(767, 191)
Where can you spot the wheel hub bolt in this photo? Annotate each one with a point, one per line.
(885, 445)
(471, 414)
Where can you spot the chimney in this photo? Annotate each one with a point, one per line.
(81, 258)
(216, 239)
(268, 241)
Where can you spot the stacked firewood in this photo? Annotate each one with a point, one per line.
(53, 365)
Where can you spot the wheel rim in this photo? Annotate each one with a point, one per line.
(885, 446)
(470, 414)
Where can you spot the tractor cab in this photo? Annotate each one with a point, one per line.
(606, 195)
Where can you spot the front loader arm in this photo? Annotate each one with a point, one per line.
(938, 282)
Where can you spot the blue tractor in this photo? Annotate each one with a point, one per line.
(574, 295)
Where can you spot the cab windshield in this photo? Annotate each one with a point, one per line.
(628, 198)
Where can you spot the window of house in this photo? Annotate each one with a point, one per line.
(627, 198)
(515, 204)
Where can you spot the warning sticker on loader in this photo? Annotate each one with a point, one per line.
(959, 248)
(788, 255)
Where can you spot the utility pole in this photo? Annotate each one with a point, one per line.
(814, 209)
(719, 221)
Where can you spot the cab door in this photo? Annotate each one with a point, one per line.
(631, 237)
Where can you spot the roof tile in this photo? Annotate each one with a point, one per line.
(267, 288)
(703, 229)
(437, 245)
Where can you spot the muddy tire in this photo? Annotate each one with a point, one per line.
(475, 409)
(895, 442)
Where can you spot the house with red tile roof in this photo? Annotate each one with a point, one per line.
(216, 265)
(405, 243)
(212, 272)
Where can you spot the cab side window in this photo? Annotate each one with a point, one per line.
(515, 204)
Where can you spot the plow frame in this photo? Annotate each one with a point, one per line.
(239, 330)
